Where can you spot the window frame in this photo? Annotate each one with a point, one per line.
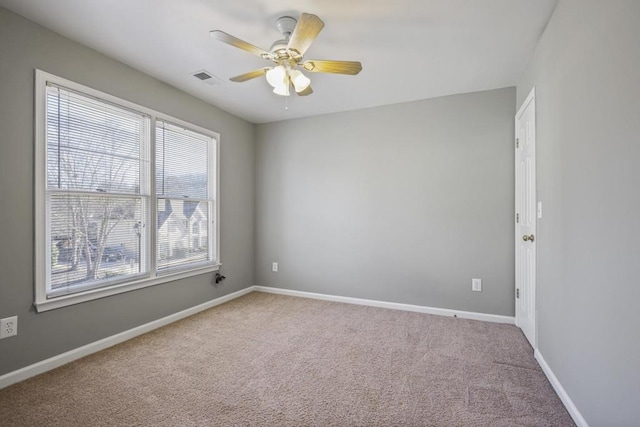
(42, 248)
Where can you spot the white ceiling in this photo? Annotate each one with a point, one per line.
(409, 49)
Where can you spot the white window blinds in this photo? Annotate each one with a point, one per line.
(185, 165)
(97, 191)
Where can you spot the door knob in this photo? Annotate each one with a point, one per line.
(529, 238)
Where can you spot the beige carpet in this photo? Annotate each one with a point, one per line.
(273, 360)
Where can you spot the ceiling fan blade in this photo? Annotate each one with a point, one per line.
(305, 32)
(336, 67)
(240, 44)
(306, 92)
(250, 75)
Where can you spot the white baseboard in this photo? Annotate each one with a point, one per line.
(562, 393)
(392, 305)
(64, 358)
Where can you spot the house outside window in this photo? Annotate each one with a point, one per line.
(125, 196)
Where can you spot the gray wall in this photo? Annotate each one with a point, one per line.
(403, 203)
(585, 71)
(25, 46)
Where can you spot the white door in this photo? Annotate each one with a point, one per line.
(526, 218)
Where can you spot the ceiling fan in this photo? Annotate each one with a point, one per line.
(288, 55)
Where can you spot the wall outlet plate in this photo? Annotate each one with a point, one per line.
(476, 285)
(8, 327)
(274, 267)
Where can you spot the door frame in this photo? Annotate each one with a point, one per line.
(529, 101)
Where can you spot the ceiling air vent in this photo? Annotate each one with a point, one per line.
(207, 77)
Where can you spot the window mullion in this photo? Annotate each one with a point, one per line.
(212, 184)
(74, 192)
(152, 238)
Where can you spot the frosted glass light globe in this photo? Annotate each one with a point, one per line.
(276, 76)
(299, 80)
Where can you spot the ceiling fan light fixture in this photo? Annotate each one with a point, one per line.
(283, 88)
(299, 80)
(276, 76)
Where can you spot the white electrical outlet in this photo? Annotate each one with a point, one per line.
(8, 327)
(476, 285)
(274, 267)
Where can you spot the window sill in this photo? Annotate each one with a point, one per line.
(93, 294)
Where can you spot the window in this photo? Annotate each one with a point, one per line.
(103, 225)
(183, 196)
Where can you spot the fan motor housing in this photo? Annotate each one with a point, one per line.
(279, 50)
(279, 45)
